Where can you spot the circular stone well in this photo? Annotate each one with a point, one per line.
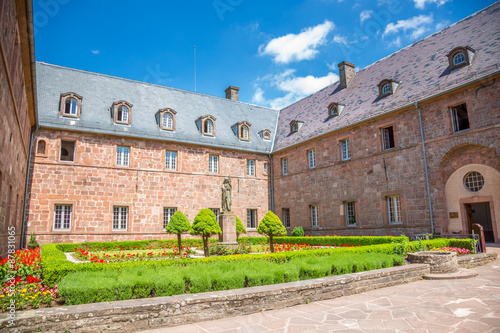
(439, 261)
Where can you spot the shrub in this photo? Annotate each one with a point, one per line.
(32, 244)
(240, 229)
(271, 226)
(298, 232)
(330, 240)
(205, 224)
(178, 224)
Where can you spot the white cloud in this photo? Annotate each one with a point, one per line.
(365, 15)
(302, 46)
(420, 4)
(340, 39)
(295, 87)
(333, 66)
(443, 24)
(418, 25)
(95, 51)
(395, 43)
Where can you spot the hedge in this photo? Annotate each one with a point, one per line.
(328, 240)
(142, 282)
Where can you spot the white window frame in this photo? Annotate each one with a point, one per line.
(168, 121)
(394, 212)
(345, 148)
(73, 107)
(245, 132)
(314, 215)
(251, 218)
(120, 218)
(286, 217)
(266, 168)
(170, 160)
(123, 111)
(168, 212)
(386, 139)
(350, 211)
(61, 147)
(208, 127)
(386, 89)
(311, 158)
(122, 156)
(63, 214)
(251, 168)
(284, 166)
(462, 59)
(213, 163)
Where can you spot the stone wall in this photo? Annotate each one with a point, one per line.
(93, 184)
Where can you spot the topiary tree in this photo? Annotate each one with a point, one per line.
(271, 226)
(298, 232)
(178, 224)
(205, 224)
(240, 229)
(32, 244)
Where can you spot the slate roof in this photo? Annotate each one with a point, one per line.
(422, 69)
(100, 91)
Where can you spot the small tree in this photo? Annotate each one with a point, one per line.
(271, 226)
(298, 232)
(240, 229)
(205, 224)
(178, 224)
(32, 244)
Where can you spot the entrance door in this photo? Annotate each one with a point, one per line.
(480, 213)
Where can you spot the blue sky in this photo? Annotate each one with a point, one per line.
(277, 52)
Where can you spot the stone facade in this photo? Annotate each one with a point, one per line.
(93, 184)
(17, 116)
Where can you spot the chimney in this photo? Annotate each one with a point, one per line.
(232, 93)
(346, 73)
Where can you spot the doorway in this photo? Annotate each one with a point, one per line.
(480, 213)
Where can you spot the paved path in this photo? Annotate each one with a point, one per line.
(469, 305)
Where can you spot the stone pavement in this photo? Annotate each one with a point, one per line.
(431, 306)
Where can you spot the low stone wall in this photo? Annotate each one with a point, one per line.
(134, 315)
(475, 260)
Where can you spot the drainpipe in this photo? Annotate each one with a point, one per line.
(425, 165)
(271, 173)
(26, 189)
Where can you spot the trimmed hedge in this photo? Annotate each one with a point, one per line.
(328, 240)
(142, 282)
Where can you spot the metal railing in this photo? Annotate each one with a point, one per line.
(473, 236)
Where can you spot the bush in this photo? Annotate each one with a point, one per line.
(178, 224)
(298, 232)
(329, 240)
(205, 224)
(32, 244)
(240, 229)
(271, 226)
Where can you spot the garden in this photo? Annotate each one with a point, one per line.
(108, 271)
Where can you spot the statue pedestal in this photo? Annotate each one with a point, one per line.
(228, 226)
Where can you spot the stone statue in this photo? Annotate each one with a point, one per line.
(226, 195)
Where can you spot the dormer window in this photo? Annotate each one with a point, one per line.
(242, 130)
(166, 119)
(295, 125)
(335, 109)
(460, 57)
(122, 112)
(206, 125)
(265, 134)
(387, 88)
(70, 105)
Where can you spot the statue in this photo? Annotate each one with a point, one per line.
(226, 195)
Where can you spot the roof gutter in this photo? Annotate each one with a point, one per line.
(426, 170)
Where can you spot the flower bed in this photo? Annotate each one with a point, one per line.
(458, 250)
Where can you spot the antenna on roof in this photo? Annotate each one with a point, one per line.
(195, 68)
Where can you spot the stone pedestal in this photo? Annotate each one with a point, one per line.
(228, 226)
(439, 261)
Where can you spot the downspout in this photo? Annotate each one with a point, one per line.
(271, 174)
(26, 190)
(425, 166)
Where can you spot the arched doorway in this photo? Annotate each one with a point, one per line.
(472, 193)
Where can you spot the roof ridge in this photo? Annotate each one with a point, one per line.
(151, 84)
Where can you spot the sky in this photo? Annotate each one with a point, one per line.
(276, 52)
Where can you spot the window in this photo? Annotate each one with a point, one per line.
(216, 212)
(62, 217)
(266, 166)
(170, 160)
(209, 127)
(206, 124)
(460, 118)
(213, 163)
(350, 214)
(122, 155)
(167, 215)
(333, 110)
(345, 150)
(284, 166)
(387, 138)
(459, 59)
(244, 132)
(67, 152)
(311, 157)
(394, 209)
(41, 147)
(314, 215)
(286, 217)
(167, 121)
(70, 105)
(295, 125)
(386, 89)
(251, 168)
(121, 112)
(251, 218)
(474, 181)
(266, 134)
(120, 217)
